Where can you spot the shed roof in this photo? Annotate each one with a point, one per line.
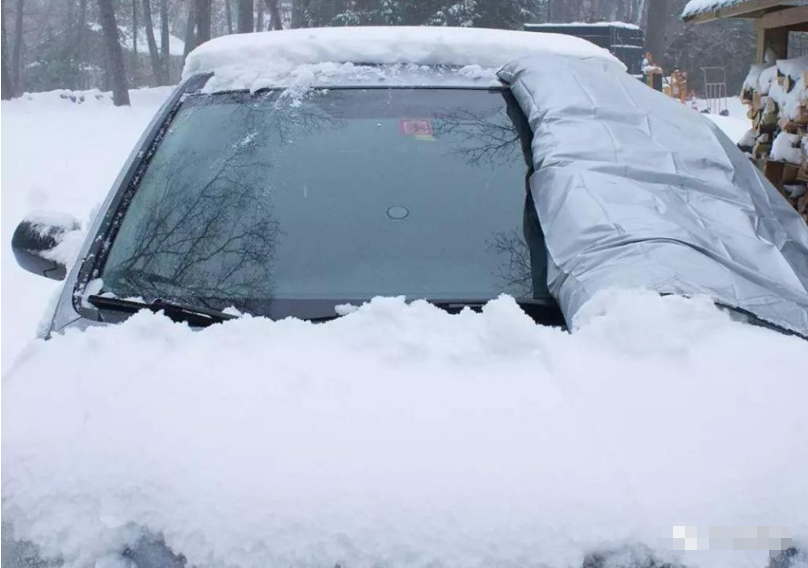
(705, 10)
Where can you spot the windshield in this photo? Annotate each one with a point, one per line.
(280, 206)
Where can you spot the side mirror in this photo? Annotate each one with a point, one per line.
(38, 243)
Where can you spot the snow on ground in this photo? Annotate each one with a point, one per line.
(736, 124)
(62, 156)
(404, 436)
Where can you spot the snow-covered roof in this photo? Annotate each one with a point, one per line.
(265, 59)
(176, 47)
(624, 25)
(697, 7)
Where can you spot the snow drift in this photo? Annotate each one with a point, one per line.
(400, 435)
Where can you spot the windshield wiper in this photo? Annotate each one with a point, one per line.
(178, 312)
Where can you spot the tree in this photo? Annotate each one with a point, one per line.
(655, 28)
(16, 63)
(228, 10)
(203, 8)
(275, 21)
(165, 54)
(115, 67)
(134, 36)
(190, 28)
(6, 86)
(245, 22)
(157, 64)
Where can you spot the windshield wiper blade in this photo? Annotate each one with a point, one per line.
(193, 315)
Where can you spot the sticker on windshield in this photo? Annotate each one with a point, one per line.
(420, 128)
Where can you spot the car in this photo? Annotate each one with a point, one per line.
(382, 180)
(294, 173)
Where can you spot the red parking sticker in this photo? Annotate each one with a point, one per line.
(416, 126)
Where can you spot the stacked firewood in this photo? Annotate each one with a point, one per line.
(778, 107)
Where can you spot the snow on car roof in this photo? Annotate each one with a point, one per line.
(283, 58)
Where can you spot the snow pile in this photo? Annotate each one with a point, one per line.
(265, 59)
(786, 148)
(753, 77)
(404, 436)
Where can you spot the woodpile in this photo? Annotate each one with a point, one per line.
(778, 107)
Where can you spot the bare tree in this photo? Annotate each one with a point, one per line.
(165, 53)
(6, 87)
(245, 16)
(115, 67)
(203, 8)
(16, 63)
(655, 28)
(80, 39)
(190, 28)
(157, 65)
(275, 21)
(134, 36)
(228, 11)
(259, 21)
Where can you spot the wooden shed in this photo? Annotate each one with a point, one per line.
(774, 20)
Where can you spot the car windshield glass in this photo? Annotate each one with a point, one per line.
(270, 204)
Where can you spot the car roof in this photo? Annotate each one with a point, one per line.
(348, 56)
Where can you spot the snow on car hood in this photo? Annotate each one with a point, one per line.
(400, 435)
(288, 57)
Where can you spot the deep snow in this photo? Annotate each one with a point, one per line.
(404, 436)
(396, 435)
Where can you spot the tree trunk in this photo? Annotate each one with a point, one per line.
(202, 21)
(115, 67)
(655, 29)
(259, 22)
(190, 28)
(245, 16)
(16, 64)
(157, 65)
(165, 52)
(228, 10)
(78, 46)
(6, 87)
(134, 38)
(275, 22)
(299, 8)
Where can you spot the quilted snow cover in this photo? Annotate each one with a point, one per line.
(635, 190)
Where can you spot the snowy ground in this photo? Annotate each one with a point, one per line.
(398, 435)
(62, 156)
(736, 124)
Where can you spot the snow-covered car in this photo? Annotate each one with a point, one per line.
(293, 173)
(337, 173)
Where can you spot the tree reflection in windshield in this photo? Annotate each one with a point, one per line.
(252, 200)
